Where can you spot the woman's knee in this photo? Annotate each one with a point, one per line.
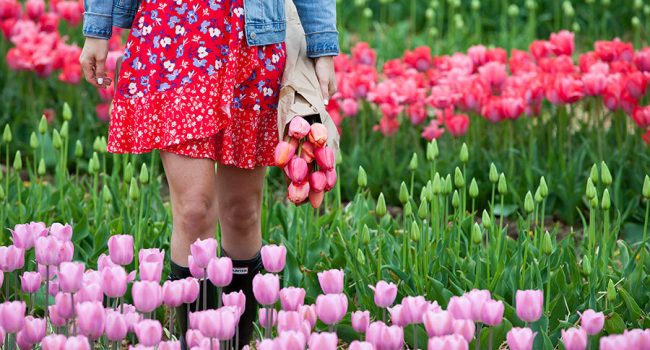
(241, 213)
(196, 213)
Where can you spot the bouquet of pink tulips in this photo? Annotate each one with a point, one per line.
(307, 161)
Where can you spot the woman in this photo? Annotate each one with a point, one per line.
(200, 82)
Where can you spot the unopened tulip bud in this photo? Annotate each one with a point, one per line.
(67, 112)
(362, 178)
(593, 174)
(18, 161)
(494, 174)
(448, 185)
(97, 144)
(144, 174)
(502, 187)
(477, 235)
(529, 204)
(423, 194)
(485, 220)
(475, 5)
(408, 210)
(367, 12)
(464, 153)
(106, 195)
(96, 162)
(547, 244)
(436, 185)
(78, 149)
(605, 204)
(590, 192)
(473, 189)
(33, 140)
(42, 125)
(423, 210)
(365, 235)
(429, 191)
(513, 10)
(432, 150)
(6, 135)
(646, 187)
(459, 180)
(594, 202)
(586, 266)
(360, 257)
(128, 171)
(65, 132)
(380, 209)
(41, 167)
(403, 193)
(415, 232)
(283, 153)
(543, 188)
(318, 135)
(413, 164)
(134, 192)
(611, 291)
(455, 200)
(56, 139)
(538, 196)
(605, 175)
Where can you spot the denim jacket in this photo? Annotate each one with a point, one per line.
(265, 21)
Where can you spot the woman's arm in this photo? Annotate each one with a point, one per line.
(318, 18)
(98, 19)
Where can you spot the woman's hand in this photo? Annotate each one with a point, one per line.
(326, 76)
(93, 62)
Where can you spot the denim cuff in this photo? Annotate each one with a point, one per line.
(322, 44)
(97, 25)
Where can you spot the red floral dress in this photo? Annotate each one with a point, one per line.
(191, 85)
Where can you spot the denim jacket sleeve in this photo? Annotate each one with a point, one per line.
(318, 18)
(98, 18)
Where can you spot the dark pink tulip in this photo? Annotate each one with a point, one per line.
(397, 315)
(331, 179)
(34, 9)
(284, 151)
(151, 255)
(11, 258)
(384, 337)
(220, 271)
(147, 295)
(594, 82)
(592, 322)
(114, 281)
(636, 84)
(274, 257)
(316, 199)
(291, 340)
(25, 235)
(12, 316)
(520, 338)
(266, 288)
(219, 324)
(492, 312)
(116, 327)
(30, 282)
(291, 298)
(149, 332)
(563, 43)
(317, 181)
(614, 342)
(90, 318)
(318, 135)
(325, 158)
(460, 308)
(438, 323)
(307, 152)
(172, 293)
(298, 193)
(413, 309)
(262, 314)
(195, 270)
(297, 170)
(448, 342)
(60, 231)
(190, 290)
(70, 276)
(90, 292)
(308, 313)
(529, 305)
(331, 308)
(151, 271)
(360, 321)
(574, 339)
(47, 250)
(55, 319)
(323, 341)
(63, 303)
(203, 251)
(79, 342)
(236, 299)
(54, 342)
(464, 328)
(34, 329)
(120, 249)
(385, 293)
(331, 281)
(298, 128)
(641, 116)
(289, 321)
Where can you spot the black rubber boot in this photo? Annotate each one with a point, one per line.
(177, 272)
(242, 279)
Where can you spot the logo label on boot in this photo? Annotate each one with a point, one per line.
(240, 270)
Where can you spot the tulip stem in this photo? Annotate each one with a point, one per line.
(205, 288)
(237, 337)
(47, 294)
(477, 346)
(171, 323)
(490, 337)
(415, 337)
(645, 233)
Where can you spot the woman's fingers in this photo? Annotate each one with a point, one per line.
(93, 62)
(88, 69)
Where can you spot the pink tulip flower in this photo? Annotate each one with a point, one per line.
(203, 251)
(317, 181)
(218, 324)
(284, 151)
(492, 312)
(104, 261)
(25, 235)
(325, 158)
(64, 307)
(90, 319)
(297, 170)
(193, 338)
(318, 135)
(331, 308)
(331, 281)
(149, 332)
(460, 308)
(151, 255)
(359, 345)
(30, 282)
(12, 316)
(291, 340)
(147, 295)
(172, 293)
(62, 232)
(464, 328)
(236, 299)
(54, 342)
(308, 313)
(274, 258)
(90, 292)
(116, 327)
(529, 305)
(113, 281)
(323, 341)
(478, 298)
(11, 258)
(266, 288)
(34, 329)
(264, 317)
(298, 193)
(132, 318)
(150, 271)
(360, 321)
(413, 309)
(385, 293)
(190, 290)
(79, 342)
(592, 322)
(70, 276)
(47, 250)
(574, 339)
(638, 338)
(448, 342)
(614, 342)
(268, 344)
(169, 345)
(55, 319)
(384, 337)
(307, 152)
(291, 298)
(120, 249)
(195, 270)
(298, 128)
(289, 321)
(520, 338)
(397, 315)
(220, 271)
(438, 324)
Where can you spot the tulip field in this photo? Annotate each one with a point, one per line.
(492, 191)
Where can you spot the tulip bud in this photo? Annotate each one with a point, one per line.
(529, 204)
(547, 244)
(646, 187)
(485, 220)
(423, 194)
(423, 210)
(513, 10)
(538, 196)
(96, 162)
(459, 180)
(593, 174)
(586, 266)
(448, 186)
(432, 150)
(591, 189)
(128, 171)
(436, 186)
(605, 175)
(18, 162)
(362, 178)
(408, 210)
(360, 257)
(455, 200)
(367, 12)
(605, 204)
(56, 139)
(477, 235)
(502, 187)
(42, 125)
(494, 174)
(594, 202)
(611, 291)
(144, 174)
(415, 232)
(97, 144)
(473, 189)
(33, 140)
(403, 193)
(464, 153)
(41, 167)
(475, 5)
(6, 135)
(380, 209)
(134, 192)
(365, 234)
(543, 188)
(67, 112)
(65, 130)
(106, 195)
(413, 164)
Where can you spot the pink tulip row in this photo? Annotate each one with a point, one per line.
(491, 84)
(307, 161)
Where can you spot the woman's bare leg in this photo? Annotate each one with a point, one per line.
(192, 187)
